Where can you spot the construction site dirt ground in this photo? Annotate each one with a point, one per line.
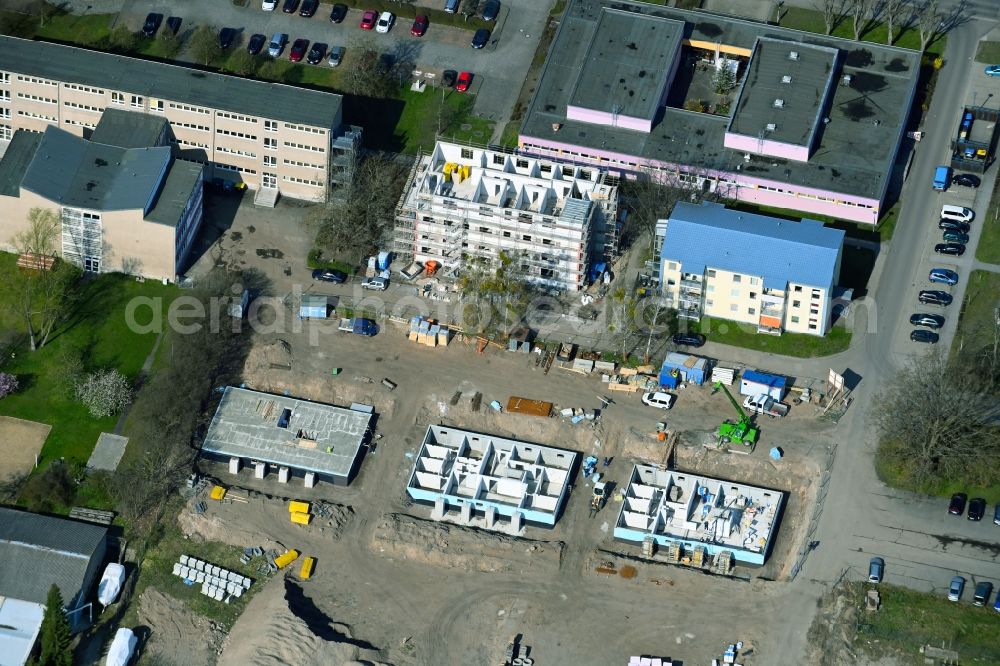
(413, 591)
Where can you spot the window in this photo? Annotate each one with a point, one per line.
(86, 89)
(270, 125)
(231, 151)
(485, 230)
(506, 234)
(710, 272)
(813, 311)
(35, 98)
(753, 295)
(270, 144)
(303, 164)
(117, 98)
(737, 278)
(796, 304)
(567, 171)
(304, 128)
(83, 107)
(710, 288)
(302, 181)
(812, 327)
(498, 159)
(734, 308)
(709, 303)
(4, 78)
(584, 174)
(546, 241)
(751, 311)
(522, 163)
(4, 113)
(815, 294)
(241, 135)
(32, 79)
(192, 109)
(797, 288)
(795, 319)
(545, 168)
(137, 102)
(4, 95)
(735, 293)
(301, 146)
(671, 265)
(235, 116)
(156, 105)
(466, 153)
(526, 237)
(200, 128)
(92, 265)
(5, 133)
(753, 281)
(270, 160)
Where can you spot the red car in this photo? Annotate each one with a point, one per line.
(368, 19)
(464, 81)
(419, 26)
(299, 47)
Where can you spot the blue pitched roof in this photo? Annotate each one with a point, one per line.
(781, 251)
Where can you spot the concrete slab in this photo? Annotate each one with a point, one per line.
(108, 452)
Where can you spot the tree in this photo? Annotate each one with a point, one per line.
(656, 318)
(205, 45)
(8, 384)
(724, 80)
(929, 18)
(499, 286)
(938, 424)
(105, 392)
(893, 10)
(242, 63)
(832, 10)
(862, 12)
(270, 70)
(40, 295)
(362, 219)
(170, 44)
(122, 39)
(55, 636)
(622, 320)
(370, 76)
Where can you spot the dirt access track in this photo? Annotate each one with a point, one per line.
(419, 592)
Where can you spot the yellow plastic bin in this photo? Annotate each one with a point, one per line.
(286, 558)
(295, 506)
(306, 571)
(218, 492)
(300, 518)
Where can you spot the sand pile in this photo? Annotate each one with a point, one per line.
(283, 626)
(176, 633)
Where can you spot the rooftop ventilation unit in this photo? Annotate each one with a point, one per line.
(786, 79)
(771, 127)
(779, 103)
(846, 80)
(793, 55)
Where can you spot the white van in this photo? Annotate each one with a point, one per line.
(658, 399)
(958, 213)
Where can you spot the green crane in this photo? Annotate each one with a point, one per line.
(741, 432)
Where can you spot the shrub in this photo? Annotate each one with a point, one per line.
(8, 384)
(105, 392)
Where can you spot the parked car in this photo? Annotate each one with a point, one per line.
(977, 509)
(688, 339)
(955, 589)
(658, 399)
(966, 180)
(993, 70)
(368, 19)
(943, 276)
(984, 590)
(996, 514)
(958, 213)
(953, 236)
(329, 275)
(419, 27)
(957, 504)
(268, 5)
(952, 225)
(953, 249)
(375, 283)
(491, 9)
(338, 13)
(152, 24)
(277, 44)
(226, 37)
(256, 43)
(876, 567)
(336, 56)
(934, 297)
(480, 38)
(316, 53)
(298, 50)
(928, 320)
(290, 6)
(448, 78)
(463, 82)
(174, 24)
(925, 336)
(385, 21)
(309, 8)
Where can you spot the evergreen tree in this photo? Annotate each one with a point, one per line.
(55, 633)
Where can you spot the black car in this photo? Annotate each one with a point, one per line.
(152, 24)
(922, 335)
(688, 339)
(491, 9)
(934, 297)
(966, 180)
(290, 6)
(316, 53)
(338, 13)
(977, 509)
(329, 275)
(308, 8)
(957, 505)
(448, 78)
(954, 225)
(481, 38)
(226, 37)
(954, 249)
(256, 43)
(174, 24)
(928, 320)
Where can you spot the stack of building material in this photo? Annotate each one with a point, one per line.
(428, 332)
(216, 582)
(299, 512)
(432, 335)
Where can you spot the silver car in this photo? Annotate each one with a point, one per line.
(375, 283)
(956, 588)
(336, 56)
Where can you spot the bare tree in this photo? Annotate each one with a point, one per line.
(929, 18)
(862, 12)
(831, 10)
(205, 45)
(622, 320)
(371, 73)
(496, 287)
(893, 11)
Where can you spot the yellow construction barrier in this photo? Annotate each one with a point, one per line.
(295, 506)
(300, 518)
(307, 568)
(218, 492)
(283, 560)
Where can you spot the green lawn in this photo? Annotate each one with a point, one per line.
(97, 329)
(988, 249)
(87, 29)
(988, 53)
(982, 297)
(908, 620)
(787, 344)
(810, 20)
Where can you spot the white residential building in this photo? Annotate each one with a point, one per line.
(462, 202)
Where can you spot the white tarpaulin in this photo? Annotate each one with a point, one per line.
(111, 584)
(121, 648)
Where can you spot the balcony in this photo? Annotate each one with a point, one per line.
(686, 311)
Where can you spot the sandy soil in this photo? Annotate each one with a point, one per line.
(19, 442)
(177, 635)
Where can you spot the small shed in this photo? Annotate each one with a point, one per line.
(679, 368)
(755, 383)
(313, 307)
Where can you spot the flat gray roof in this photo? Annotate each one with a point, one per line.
(83, 174)
(15, 161)
(625, 64)
(853, 153)
(173, 82)
(312, 436)
(181, 179)
(128, 129)
(784, 91)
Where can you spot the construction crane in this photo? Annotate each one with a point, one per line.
(741, 432)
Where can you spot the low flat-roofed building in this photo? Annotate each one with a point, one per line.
(485, 475)
(304, 439)
(694, 510)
